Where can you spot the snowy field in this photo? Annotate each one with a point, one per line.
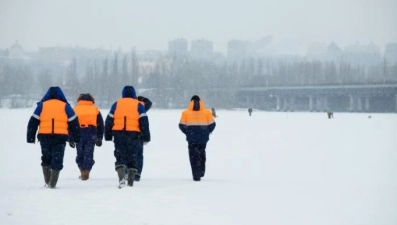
(271, 168)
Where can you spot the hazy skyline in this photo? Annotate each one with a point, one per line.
(151, 24)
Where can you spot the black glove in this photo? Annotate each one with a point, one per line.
(72, 144)
(108, 138)
(140, 98)
(98, 143)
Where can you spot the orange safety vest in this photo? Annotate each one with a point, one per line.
(87, 113)
(203, 117)
(126, 116)
(53, 118)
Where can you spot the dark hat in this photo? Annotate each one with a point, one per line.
(195, 97)
(86, 97)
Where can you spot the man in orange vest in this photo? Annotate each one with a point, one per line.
(197, 123)
(91, 131)
(127, 124)
(56, 120)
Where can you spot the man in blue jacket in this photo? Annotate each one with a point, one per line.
(56, 120)
(127, 125)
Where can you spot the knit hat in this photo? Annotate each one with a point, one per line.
(86, 97)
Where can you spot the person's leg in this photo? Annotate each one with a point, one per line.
(132, 149)
(57, 154)
(139, 160)
(46, 162)
(119, 150)
(203, 158)
(194, 157)
(80, 157)
(88, 161)
(45, 154)
(120, 153)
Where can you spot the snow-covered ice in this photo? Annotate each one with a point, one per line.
(270, 168)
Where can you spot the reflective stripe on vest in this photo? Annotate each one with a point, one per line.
(126, 116)
(87, 113)
(53, 118)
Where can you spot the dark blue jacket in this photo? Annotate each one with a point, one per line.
(197, 123)
(90, 133)
(129, 92)
(34, 122)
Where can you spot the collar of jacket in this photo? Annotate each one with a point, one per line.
(84, 102)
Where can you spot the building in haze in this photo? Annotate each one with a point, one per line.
(178, 47)
(201, 50)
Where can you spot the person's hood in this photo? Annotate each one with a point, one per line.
(54, 93)
(128, 92)
(196, 105)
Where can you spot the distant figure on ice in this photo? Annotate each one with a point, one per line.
(330, 115)
(250, 111)
(55, 118)
(197, 123)
(127, 125)
(91, 131)
(213, 112)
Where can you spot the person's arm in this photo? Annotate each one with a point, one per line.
(33, 124)
(109, 123)
(182, 123)
(147, 103)
(211, 122)
(100, 126)
(144, 123)
(73, 124)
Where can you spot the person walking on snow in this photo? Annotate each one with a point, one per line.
(91, 131)
(197, 123)
(127, 124)
(56, 120)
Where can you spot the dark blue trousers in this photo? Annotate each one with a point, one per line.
(85, 154)
(52, 154)
(197, 159)
(126, 148)
(139, 159)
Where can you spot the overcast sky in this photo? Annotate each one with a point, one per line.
(150, 24)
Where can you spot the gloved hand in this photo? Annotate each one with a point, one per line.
(108, 138)
(72, 144)
(98, 143)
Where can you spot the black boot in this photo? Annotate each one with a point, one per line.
(121, 173)
(53, 178)
(46, 173)
(131, 176)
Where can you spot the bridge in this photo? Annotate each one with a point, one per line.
(345, 98)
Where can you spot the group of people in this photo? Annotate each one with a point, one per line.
(55, 122)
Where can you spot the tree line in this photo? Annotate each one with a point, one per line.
(170, 80)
